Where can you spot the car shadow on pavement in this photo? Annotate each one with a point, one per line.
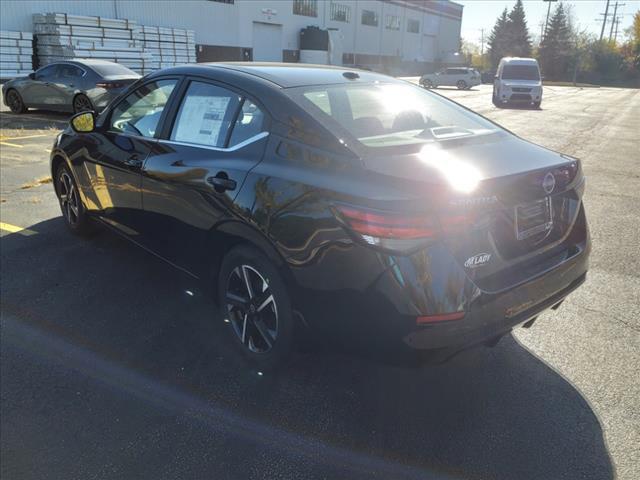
(499, 413)
(34, 120)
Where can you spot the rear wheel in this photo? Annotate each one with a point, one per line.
(15, 103)
(427, 83)
(81, 103)
(462, 85)
(73, 210)
(256, 306)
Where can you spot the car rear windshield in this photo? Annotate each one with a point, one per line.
(520, 72)
(106, 70)
(386, 115)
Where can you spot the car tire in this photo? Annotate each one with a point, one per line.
(73, 211)
(82, 103)
(256, 307)
(461, 84)
(427, 83)
(15, 102)
(536, 105)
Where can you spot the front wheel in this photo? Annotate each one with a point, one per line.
(73, 210)
(462, 85)
(427, 83)
(537, 104)
(256, 307)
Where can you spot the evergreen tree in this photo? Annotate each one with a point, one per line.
(517, 32)
(556, 47)
(498, 42)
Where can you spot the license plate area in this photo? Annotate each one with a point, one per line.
(533, 218)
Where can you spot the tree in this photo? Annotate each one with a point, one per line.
(498, 43)
(556, 47)
(517, 32)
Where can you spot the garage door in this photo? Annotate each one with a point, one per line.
(267, 42)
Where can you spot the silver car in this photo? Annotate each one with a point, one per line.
(69, 86)
(461, 77)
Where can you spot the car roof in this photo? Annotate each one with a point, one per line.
(286, 75)
(520, 60)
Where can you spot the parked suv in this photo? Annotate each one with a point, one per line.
(333, 199)
(518, 80)
(461, 77)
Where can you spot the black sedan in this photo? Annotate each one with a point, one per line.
(326, 198)
(69, 86)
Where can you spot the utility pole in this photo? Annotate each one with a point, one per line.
(617, 20)
(614, 18)
(546, 22)
(604, 21)
(482, 48)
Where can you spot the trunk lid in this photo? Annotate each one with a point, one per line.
(526, 200)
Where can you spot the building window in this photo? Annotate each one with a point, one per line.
(392, 22)
(340, 13)
(308, 8)
(413, 26)
(369, 18)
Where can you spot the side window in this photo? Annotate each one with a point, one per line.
(139, 113)
(451, 71)
(250, 123)
(320, 98)
(47, 73)
(205, 115)
(66, 71)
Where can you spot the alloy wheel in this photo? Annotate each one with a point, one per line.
(462, 84)
(14, 101)
(68, 196)
(251, 309)
(82, 104)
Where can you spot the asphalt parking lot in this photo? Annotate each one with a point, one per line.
(113, 366)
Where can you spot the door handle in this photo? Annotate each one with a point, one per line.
(221, 182)
(133, 161)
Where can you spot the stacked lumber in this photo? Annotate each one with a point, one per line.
(16, 54)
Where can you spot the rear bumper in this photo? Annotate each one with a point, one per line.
(486, 314)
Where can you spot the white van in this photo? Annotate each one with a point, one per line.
(518, 80)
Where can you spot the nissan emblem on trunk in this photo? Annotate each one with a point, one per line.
(549, 182)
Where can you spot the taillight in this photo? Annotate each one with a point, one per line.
(109, 85)
(441, 317)
(396, 231)
(385, 225)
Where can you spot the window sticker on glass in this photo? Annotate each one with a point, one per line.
(203, 117)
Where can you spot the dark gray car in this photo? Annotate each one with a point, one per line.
(69, 86)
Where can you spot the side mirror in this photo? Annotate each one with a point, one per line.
(83, 122)
(32, 76)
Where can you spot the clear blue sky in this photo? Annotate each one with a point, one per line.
(483, 13)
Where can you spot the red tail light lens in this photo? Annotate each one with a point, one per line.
(398, 232)
(388, 225)
(442, 317)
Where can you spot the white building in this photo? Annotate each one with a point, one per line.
(392, 35)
